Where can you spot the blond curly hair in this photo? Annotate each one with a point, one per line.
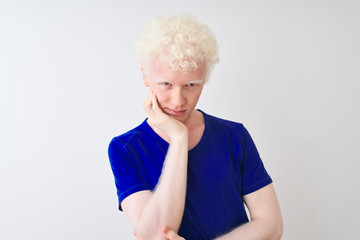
(186, 42)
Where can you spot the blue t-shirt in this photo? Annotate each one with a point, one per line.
(222, 167)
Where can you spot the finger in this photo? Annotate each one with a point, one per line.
(171, 235)
(147, 105)
(148, 102)
(137, 237)
(150, 113)
(156, 106)
(154, 102)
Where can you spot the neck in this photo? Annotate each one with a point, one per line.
(195, 120)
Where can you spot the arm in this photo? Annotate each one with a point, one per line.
(149, 212)
(266, 220)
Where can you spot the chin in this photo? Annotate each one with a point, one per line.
(179, 118)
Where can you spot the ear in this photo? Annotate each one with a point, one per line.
(145, 76)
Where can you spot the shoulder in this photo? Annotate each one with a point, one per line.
(221, 124)
(129, 138)
(227, 129)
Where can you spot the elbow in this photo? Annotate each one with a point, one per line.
(147, 235)
(277, 226)
(149, 232)
(272, 228)
(277, 229)
(280, 232)
(146, 228)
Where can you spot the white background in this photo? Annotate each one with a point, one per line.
(289, 71)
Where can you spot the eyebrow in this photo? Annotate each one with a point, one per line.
(161, 80)
(199, 81)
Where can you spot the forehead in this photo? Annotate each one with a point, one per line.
(160, 64)
(160, 67)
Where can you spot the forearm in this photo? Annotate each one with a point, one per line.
(166, 206)
(255, 230)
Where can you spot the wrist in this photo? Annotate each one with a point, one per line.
(180, 135)
(182, 138)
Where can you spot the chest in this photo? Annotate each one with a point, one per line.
(195, 136)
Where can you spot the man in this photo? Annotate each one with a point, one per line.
(184, 174)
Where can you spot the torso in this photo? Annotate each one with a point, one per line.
(221, 169)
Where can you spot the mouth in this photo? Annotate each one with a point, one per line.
(174, 112)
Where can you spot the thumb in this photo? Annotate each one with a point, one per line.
(171, 235)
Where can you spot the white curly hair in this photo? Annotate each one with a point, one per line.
(186, 42)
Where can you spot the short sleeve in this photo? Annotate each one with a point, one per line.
(128, 177)
(254, 174)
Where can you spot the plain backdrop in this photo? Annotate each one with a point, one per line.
(289, 71)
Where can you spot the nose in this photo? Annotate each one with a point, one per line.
(178, 98)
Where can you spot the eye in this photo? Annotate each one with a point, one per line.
(165, 84)
(191, 85)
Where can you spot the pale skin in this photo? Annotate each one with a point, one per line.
(170, 107)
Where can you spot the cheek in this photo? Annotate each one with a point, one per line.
(162, 100)
(155, 89)
(195, 97)
(161, 96)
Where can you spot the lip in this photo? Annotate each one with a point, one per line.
(174, 112)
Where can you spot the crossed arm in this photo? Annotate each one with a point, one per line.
(266, 220)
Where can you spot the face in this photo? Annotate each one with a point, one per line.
(177, 93)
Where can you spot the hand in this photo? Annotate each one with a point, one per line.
(168, 233)
(171, 235)
(171, 127)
